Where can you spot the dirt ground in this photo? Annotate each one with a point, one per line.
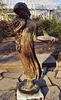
(8, 47)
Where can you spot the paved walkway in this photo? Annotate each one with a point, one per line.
(50, 82)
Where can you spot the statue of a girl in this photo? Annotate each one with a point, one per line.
(24, 44)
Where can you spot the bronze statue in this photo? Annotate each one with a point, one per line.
(25, 36)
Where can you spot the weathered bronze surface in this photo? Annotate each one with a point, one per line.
(25, 35)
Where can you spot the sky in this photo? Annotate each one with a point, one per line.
(57, 2)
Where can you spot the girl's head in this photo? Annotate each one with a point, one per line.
(22, 10)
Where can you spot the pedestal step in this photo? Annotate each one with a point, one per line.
(22, 96)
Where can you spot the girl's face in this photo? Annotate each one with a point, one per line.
(23, 14)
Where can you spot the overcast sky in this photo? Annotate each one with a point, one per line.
(57, 2)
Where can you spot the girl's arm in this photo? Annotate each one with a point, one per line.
(17, 30)
(17, 25)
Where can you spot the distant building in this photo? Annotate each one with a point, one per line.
(43, 8)
(58, 12)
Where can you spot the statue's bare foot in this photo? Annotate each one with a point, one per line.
(27, 87)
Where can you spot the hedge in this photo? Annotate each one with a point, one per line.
(4, 29)
(52, 27)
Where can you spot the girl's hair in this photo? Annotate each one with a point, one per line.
(21, 7)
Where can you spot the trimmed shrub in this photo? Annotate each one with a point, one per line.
(52, 27)
(4, 29)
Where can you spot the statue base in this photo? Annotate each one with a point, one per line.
(34, 93)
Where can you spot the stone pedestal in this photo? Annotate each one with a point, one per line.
(24, 96)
